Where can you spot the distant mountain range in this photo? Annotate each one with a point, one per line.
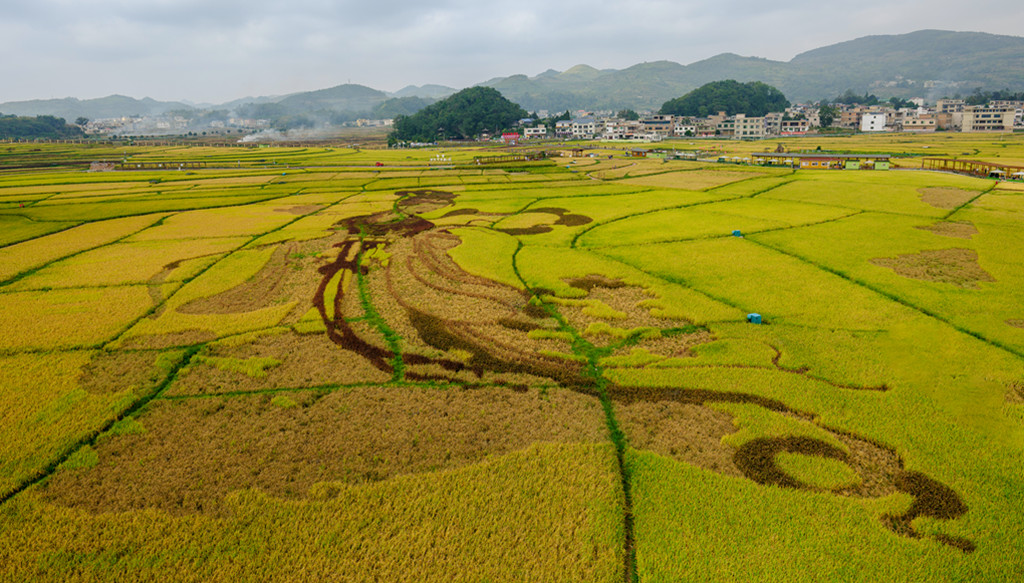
(927, 63)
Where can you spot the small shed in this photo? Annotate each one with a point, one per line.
(754, 318)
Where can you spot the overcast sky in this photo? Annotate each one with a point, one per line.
(219, 50)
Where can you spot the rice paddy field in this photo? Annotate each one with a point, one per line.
(301, 364)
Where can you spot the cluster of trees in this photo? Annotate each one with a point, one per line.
(466, 114)
(869, 99)
(43, 126)
(980, 97)
(754, 99)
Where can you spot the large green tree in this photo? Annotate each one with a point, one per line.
(43, 126)
(754, 99)
(466, 114)
(827, 114)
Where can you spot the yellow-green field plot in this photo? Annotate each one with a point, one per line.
(298, 364)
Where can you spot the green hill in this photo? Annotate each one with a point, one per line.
(928, 63)
(466, 114)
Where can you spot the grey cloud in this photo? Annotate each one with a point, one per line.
(220, 50)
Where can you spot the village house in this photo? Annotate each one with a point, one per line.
(583, 128)
(661, 125)
(620, 129)
(748, 128)
(873, 122)
(920, 123)
(535, 133)
(794, 127)
(563, 129)
(987, 118)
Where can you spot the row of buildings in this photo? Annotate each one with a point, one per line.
(947, 114)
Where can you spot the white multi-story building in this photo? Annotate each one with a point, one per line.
(537, 132)
(872, 122)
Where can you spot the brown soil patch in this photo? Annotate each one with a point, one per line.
(756, 458)
(1015, 394)
(594, 280)
(565, 218)
(933, 499)
(114, 372)
(307, 360)
(301, 209)
(193, 452)
(686, 432)
(958, 230)
(879, 468)
(414, 202)
(1016, 323)
(183, 338)
(460, 213)
(958, 267)
(946, 198)
(535, 230)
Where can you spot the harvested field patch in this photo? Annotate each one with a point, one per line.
(196, 451)
(301, 209)
(1018, 323)
(946, 198)
(955, 266)
(306, 360)
(686, 432)
(958, 230)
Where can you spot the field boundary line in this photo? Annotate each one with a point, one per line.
(31, 271)
(574, 243)
(922, 310)
(90, 438)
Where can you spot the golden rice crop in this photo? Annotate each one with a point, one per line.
(69, 317)
(32, 254)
